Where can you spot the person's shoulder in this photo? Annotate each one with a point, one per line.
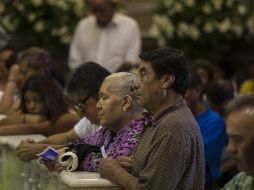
(86, 21)
(85, 126)
(240, 181)
(123, 19)
(179, 124)
(213, 116)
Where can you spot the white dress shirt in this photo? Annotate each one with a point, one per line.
(84, 127)
(119, 42)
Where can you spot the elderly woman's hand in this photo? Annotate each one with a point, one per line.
(55, 165)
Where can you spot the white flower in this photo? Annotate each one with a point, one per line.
(62, 4)
(207, 9)
(208, 27)
(229, 3)
(36, 3)
(217, 4)
(2, 8)
(250, 25)
(20, 7)
(9, 23)
(178, 7)
(31, 17)
(182, 29)
(39, 26)
(164, 24)
(154, 31)
(241, 9)
(51, 2)
(63, 30)
(194, 32)
(169, 29)
(79, 8)
(189, 3)
(238, 29)
(168, 3)
(224, 26)
(66, 39)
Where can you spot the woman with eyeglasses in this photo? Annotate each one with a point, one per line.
(122, 119)
(43, 110)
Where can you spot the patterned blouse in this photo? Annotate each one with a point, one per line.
(241, 181)
(122, 143)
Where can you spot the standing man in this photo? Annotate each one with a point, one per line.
(106, 37)
(170, 154)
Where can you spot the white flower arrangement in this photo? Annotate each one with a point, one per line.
(198, 26)
(46, 23)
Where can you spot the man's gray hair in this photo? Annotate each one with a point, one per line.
(240, 102)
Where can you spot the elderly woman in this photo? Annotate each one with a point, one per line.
(121, 118)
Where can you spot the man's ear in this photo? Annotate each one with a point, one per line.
(167, 80)
(126, 103)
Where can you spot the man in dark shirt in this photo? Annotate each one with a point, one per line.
(170, 154)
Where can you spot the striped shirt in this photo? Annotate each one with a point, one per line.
(241, 181)
(170, 154)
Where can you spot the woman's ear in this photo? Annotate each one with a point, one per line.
(126, 103)
(167, 80)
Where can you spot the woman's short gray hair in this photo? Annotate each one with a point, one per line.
(122, 84)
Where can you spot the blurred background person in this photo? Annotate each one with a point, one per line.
(241, 137)
(212, 128)
(103, 29)
(7, 59)
(203, 68)
(247, 87)
(30, 61)
(219, 93)
(44, 110)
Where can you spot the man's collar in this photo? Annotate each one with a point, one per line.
(115, 20)
(169, 108)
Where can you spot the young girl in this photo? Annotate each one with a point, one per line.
(31, 61)
(43, 110)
